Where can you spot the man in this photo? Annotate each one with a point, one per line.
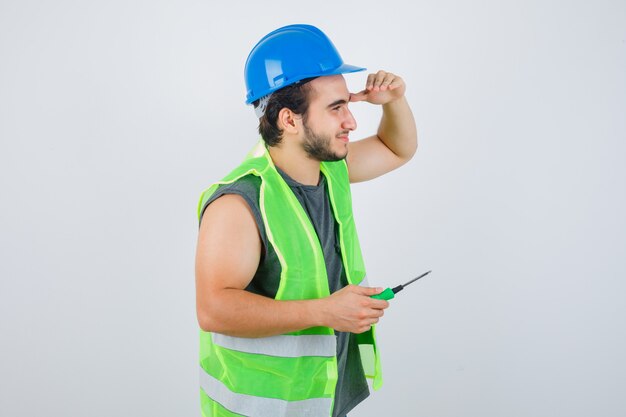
(286, 316)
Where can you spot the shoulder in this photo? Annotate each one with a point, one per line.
(229, 222)
(227, 209)
(250, 183)
(246, 187)
(238, 202)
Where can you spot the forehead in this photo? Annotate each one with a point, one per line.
(331, 87)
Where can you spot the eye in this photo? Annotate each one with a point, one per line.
(336, 108)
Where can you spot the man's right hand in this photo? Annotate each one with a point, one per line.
(352, 309)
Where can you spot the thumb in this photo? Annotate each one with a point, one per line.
(369, 291)
(360, 96)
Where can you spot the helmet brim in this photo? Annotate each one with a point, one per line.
(342, 69)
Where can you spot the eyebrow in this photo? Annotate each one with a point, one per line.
(337, 102)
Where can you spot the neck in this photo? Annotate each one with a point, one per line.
(296, 164)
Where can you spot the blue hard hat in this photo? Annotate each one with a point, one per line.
(288, 55)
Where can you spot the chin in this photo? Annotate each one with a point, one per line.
(340, 156)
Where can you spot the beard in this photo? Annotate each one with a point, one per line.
(319, 147)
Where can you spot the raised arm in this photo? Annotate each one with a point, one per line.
(395, 142)
(228, 254)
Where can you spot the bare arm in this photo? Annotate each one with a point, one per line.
(396, 140)
(228, 254)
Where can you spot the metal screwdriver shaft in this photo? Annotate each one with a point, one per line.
(390, 293)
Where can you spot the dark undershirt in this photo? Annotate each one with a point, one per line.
(351, 386)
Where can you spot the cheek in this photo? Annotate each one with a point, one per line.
(323, 122)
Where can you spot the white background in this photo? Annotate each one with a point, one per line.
(115, 115)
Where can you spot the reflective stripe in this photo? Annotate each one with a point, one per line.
(282, 345)
(249, 405)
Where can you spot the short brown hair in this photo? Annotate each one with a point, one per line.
(295, 97)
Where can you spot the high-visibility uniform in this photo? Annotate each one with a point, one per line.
(293, 374)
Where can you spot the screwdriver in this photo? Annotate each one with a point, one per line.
(389, 293)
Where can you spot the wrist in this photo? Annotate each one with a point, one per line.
(317, 312)
(396, 102)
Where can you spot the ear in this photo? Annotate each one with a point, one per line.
(288, 121)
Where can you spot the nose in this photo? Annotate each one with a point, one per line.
(349, 121)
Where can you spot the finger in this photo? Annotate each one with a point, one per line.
(360, 96)
(362, 329)
(389, 78)
(375, 314)
(368, 326)
(369, 291)
(380, 77)
(379, 305)
(370, 82)
(397, 82)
